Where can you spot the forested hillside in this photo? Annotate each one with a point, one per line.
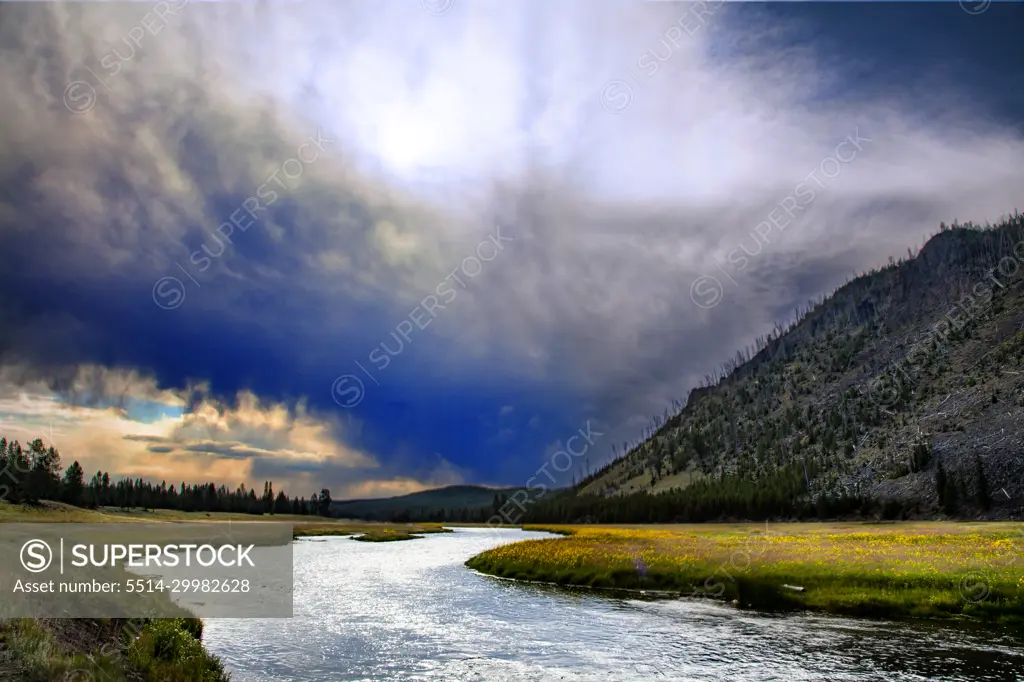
(901, 394)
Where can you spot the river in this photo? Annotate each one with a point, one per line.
(411, 611)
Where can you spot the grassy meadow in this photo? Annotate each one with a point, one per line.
(303, 526)
(892, 570)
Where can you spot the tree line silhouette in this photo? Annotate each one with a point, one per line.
(35, 473)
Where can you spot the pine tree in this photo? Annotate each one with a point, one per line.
(324, 503)
(74, 484)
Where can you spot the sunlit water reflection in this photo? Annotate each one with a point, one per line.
(412, 611)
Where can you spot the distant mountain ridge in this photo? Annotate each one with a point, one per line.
(899, 395)
(451, 503)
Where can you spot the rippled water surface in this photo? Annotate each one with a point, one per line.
(412, 611)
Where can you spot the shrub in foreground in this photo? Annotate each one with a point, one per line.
(169, 651)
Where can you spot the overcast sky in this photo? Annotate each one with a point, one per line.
(394, 245)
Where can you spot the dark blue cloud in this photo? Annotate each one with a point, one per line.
(257, 314)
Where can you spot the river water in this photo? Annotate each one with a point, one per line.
(412, 611)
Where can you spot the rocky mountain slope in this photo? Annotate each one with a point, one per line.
(905, 386)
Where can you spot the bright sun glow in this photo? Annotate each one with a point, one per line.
(405, 142)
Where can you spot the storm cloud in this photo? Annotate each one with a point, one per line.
(572, 209)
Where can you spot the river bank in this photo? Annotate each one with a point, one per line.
(156, 650)
(933, 570)
(106, 650)
(412, 611)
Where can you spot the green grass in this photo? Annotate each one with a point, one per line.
(171, 650)
(386, 536)
(922, 570)
(369, 531)
(397, 534)
(314, 532)
(103, 650)
(30, 652)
